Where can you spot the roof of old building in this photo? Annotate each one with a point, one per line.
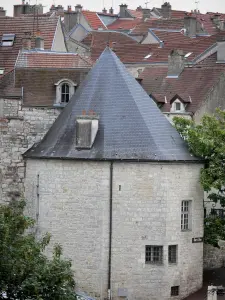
(93, 19)
(19, 26)
(191, 92)
(131, 127)
(123, 24)
(51, 59)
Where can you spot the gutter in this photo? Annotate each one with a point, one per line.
(110, 230)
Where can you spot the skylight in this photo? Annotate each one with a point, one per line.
(147, 56)
(2, 71)
(188, 54)
(8, 39)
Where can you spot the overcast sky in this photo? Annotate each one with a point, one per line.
(97, 5)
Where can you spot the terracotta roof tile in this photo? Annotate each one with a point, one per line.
(42, 59)
(93, 19)
(193, 84)
(136, 13)
(121, 24)
(18, 26)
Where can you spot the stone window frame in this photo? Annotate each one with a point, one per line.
(72, 87)
(172, 254)
(174, 106)
(175, 291)
(154, 254)
(186, 215)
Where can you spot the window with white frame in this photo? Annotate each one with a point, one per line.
(8, 39)
(65, 88)
(153, 254)
(185, 215)
(177, 106)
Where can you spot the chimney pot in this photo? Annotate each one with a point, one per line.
(104, 10)
(166, 10)
(111, 11)
(78, 8)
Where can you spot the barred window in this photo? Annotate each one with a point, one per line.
(154, 254)
(172, 249)
(175, 290)
(185, 215)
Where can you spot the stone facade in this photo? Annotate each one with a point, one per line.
(20, 128)
(73, 200)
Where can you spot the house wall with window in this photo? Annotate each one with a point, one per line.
(153, 257)
(40, 85)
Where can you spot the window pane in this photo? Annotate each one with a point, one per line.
(65, 93)
(175, 290)
(153, 254)
(177, 106)
(173, 254)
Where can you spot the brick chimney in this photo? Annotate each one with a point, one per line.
(190, 25)
(176, 63)
(221, 49)
(26, 41)
(216, 19)
(111, 11)
(2, 12)
(86, 130)
(39, 42)
(146, 13)
(166, 10)
(123, 11)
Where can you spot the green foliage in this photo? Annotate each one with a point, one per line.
(25, 272)
(214, 230)
(207, 141)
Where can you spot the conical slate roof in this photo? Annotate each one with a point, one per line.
(131, 127)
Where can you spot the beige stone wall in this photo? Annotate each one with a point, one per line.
(214, 257)
(74, 206)
(20, 128)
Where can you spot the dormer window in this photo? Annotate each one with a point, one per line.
(8, 40)
(177, 106)
(65, 88)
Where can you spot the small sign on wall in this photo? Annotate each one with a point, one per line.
(197, 240)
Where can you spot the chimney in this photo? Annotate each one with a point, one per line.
(104, 11)
(78, 8)
(176, 63)
(70, 18)
(166, 10)
(190, 25)
(123, 11)
(222, 25)
(216, 19)
(2, 12)
(39, 42)
(26, 41)
(86, 130)
(146, 13)
(111, 11)
(221, 49)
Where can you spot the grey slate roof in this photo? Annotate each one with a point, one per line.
(131, 127)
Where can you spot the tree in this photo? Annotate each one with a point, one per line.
(207, 141)
(25, 271)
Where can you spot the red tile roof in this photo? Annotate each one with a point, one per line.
(18, 26)
(93, 19)
(192, 85)
(121, 24)
(136, 13)
(42, 59)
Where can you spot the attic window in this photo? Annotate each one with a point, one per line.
(178, 106)
(188, 54)
(8, 40)
(65, 88)
(147, 56)
(2, 71)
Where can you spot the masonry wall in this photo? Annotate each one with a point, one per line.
(74, 207)
(20, 128)
(215, 99)
(214, 257)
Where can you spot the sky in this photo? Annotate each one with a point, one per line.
(97, 5)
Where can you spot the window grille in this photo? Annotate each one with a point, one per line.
(175, 290)
(65, 93)
(178, 106)
(172, 254)
(185, 215)
(154, 254)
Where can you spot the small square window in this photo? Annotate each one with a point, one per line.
(175, 290)
(8, 39)
(178, 106)
(154, 254)
(172, 249)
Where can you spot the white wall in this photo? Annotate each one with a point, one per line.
(74, 207)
